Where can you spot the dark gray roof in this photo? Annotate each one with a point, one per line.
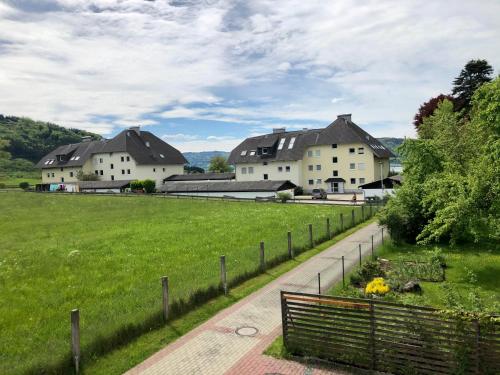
(116, 184)
(127, 141)
(201, 176)
(389, 183)
(341, 131)
(226, 186)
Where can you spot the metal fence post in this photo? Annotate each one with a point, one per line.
(371, 209)
(359, 254)
(328, 227)
(223, 275)
(352, 217)
(319, 283)
(382, 235)
(341, 222)
(311, 241)
(262, 259)
(343, 273)
(363, 212)
(290, 249)
(373, 254)
(75, 338)
(164, 284)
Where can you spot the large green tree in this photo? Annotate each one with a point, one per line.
(451, 190)
(473, 75)
(219, 164)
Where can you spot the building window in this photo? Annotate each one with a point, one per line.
(147, 144)
(53, 174)
(282, 142)
(243, 153)
(335, 173)
(112, 178)
(318, 181)
(62, 169)
(122, 158)
(311, 182)
(310, 167)
(163, 169)
(48, 174)
(287, 168)
(361, 181)
(111, 166)
(244, 170)
(128, 171)
(310, 153)
(317, 152)
(280, 169)
(352, 166)
(352, 150)
(250, 170)
(96, 172)
(252, 153)
(162, 156)
(101, 172)
(62, 179)
(70, 174)
(100, 160)
(361, 166)
(128, 158)
(264, 163)
(266, 177)
(361, 150)
(292, 142)
(154, 169)
(334, 145)
(353, 181)
(318, 167)
(123, 171)
(335, 159)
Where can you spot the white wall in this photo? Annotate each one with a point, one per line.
(271, 169)
(242, 194)
(378, 192)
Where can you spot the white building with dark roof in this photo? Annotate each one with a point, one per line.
(337, 158)
(133, 154)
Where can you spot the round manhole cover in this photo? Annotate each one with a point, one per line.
(247, 331)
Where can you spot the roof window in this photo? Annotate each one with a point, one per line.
(51, 161)
(282, 142)
(292, 142)
(148, 144)
(162, 156)
(77, 158)
(243, 153)
(252, 153)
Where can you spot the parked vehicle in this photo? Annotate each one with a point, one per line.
(319, 194)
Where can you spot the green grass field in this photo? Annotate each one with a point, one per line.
(15, 180)
(105, 256)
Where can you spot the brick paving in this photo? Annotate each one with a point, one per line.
(215, 348)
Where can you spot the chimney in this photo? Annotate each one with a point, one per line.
(346, 116)
(86, 138)
(279, 130)
(137, 129)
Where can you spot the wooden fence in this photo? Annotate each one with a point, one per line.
(389, 337)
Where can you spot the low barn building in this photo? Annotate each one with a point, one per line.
(381, 187)
(197, 177)
(233, 189)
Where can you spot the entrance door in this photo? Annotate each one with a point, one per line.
(335, 187)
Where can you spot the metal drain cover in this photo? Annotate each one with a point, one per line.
(247, 331)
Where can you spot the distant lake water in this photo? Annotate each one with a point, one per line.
(398, 168)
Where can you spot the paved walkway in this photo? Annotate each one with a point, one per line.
(232, 341)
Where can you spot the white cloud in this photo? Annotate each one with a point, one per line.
(129, 59)
(179, 137)
(188, 143)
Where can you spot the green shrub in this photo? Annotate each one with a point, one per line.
(24, 185)
(283, 197)
(136, 185)
(298, 191)
(149, 186)
(367, 272)
(2, 185)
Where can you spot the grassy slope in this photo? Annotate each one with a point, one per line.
(15, 181)
(105, 255)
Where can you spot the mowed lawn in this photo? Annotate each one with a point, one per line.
(105, 256)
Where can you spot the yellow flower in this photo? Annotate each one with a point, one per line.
(377, 286)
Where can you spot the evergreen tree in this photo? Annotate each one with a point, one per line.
(472, 76)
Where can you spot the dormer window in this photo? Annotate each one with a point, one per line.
(243, 153)
(292, 142)
(282, 142)
(265, 151)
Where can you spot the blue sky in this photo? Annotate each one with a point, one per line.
(205, 74)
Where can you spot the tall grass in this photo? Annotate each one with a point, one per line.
(105, 256)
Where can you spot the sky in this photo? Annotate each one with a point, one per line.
(205, 74)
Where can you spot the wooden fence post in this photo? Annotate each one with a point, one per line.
(371, 209)
(343, 273)
(352, 217)
(290, 249)
(75, 338)
(284, 322)
(363, 212)
(373, 254)
(328, 227)
(319, 283)
(262, 259)
(311, 241)
(164, 284)
(223, 275)
(359, 254)
(372, 337)
(341, 222)
(477, 347)
(382, 235)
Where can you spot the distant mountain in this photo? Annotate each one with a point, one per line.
(202, 159)
(391, 143)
